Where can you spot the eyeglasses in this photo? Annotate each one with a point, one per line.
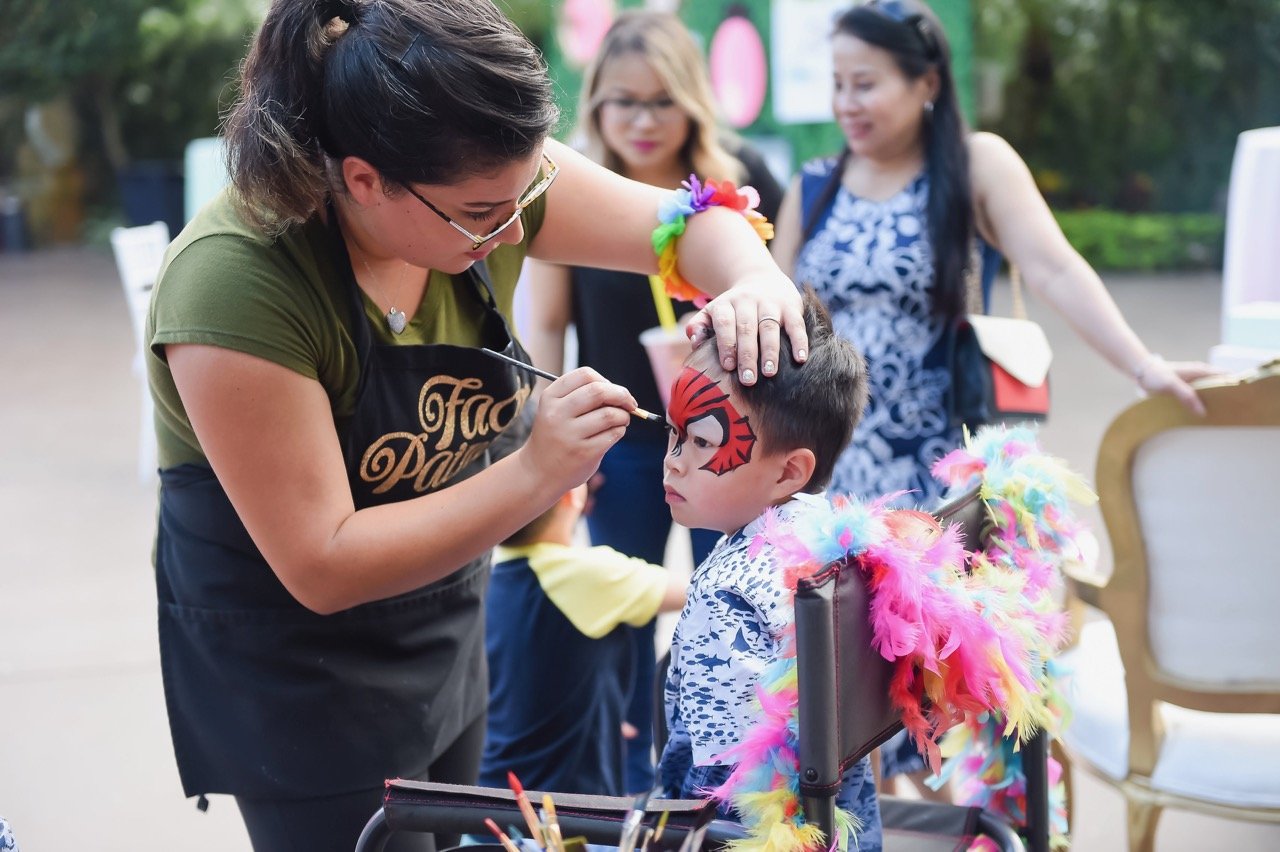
(530, 196)
(661, 110)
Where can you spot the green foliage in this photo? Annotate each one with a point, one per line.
(183, 74)
(56, 43)
(1145, 241)
(533, 17)
(147, 76)
(1132, 104)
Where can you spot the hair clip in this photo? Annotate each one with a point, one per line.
(411, 46)
(925, 32)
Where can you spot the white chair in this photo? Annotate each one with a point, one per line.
(1251, 256)
(139, 252)
(1176, 698)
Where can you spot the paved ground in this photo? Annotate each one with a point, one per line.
(85, 761)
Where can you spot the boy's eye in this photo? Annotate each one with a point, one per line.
(700, 443)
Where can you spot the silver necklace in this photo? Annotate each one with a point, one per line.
(396, 320)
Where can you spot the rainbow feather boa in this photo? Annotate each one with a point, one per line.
(965, 643)
(1028, 496)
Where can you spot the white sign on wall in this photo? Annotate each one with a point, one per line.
(801, 59)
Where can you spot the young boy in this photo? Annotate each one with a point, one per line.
(734, 452)
(559, 662)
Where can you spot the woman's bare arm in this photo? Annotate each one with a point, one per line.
(597, 218)
(1012, 213)
(550, 304)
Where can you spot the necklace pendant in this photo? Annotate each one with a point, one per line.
(396, 320)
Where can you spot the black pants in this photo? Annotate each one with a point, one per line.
(334, 823)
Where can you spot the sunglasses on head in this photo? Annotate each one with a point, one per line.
(897, 11)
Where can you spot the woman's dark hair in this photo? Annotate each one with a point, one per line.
(912, 33)
(426, 91)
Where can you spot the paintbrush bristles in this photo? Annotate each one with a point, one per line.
(555, 842)
(526, 810)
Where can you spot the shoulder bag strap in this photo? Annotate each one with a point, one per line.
(973, 286)
(973, 302)
(1015, 284)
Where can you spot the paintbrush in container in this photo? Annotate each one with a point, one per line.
(526, 809)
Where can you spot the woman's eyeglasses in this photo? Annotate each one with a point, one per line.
(530, 196)
(661, 110)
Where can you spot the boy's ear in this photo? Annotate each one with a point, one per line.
(796, 471)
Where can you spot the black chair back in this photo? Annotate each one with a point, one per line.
(844, 705)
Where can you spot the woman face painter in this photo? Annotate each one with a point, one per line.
(324, 408)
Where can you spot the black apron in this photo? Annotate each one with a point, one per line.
(268, 699)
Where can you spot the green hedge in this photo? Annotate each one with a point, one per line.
(1145, 241)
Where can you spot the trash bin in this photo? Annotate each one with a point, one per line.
(152, 191)
(13, 225)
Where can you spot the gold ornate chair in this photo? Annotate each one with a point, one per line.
(1176, 697)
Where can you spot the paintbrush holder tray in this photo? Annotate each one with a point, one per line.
(455, 809)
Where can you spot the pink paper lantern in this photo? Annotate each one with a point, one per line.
(739, 73)
(582, 26)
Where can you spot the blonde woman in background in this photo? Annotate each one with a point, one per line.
(646, 112)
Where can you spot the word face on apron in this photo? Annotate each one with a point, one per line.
(465, 402)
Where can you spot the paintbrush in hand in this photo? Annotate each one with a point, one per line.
(551, 377)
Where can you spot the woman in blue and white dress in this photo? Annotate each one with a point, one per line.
(871, 263)
(885, 233)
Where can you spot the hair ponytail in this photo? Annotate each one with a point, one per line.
(427, 91)
(274, 157)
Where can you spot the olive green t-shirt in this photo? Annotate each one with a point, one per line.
(283, 298)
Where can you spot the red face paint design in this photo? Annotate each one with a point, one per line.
(695, 397)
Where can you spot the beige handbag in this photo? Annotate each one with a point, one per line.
(999, 365)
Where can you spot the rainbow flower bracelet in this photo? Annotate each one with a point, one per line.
(693, 197)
